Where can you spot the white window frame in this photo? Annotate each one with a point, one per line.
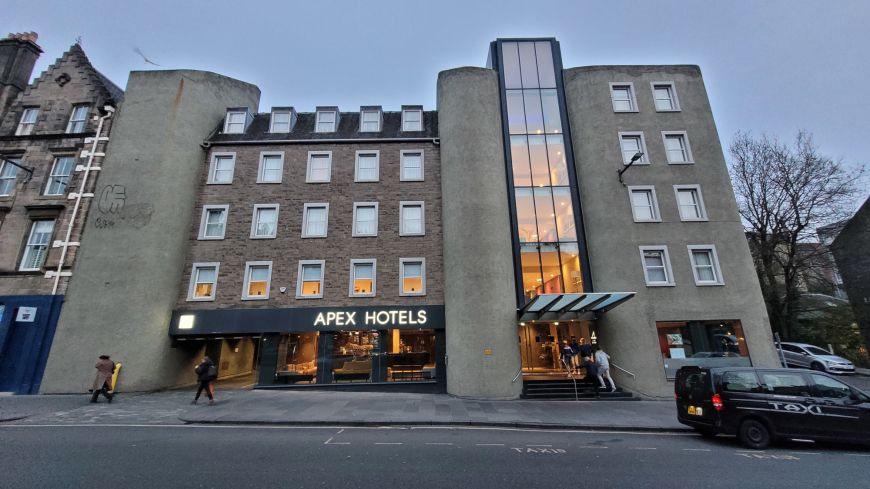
(667, 264)
(402, 262)
(402, 176)
(73, 122)
(317, 121)
(689, 159)
(4, 165)
(311, 156)
(657, 216)
(319, 205)
(717, 271)
(227, 122)
(412, 203)
(203, 223)
(363, 261)
(28, 245)
(377, 153)
(362, 120)
(262, 168)
(702, 209)
(644, 160)
(192, 287)
(52, 176)
(258, 207)
(355, 232)
(247, 282)
(322, 264)
(631, 94)
(213, 166)
(405, 122)
(272, 121)
(25, 127)
(675, 101)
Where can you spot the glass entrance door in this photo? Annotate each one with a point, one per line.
(541, 342)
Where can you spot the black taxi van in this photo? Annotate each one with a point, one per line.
(760, 405)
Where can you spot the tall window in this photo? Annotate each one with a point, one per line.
(367, 166)
(280, 121)
(58, 178)
(203, 281)
(325, 121)
(665, 96)
(271, 167)
(365, 219)
(690, 203)
(27, 122)
(37, 245)
(310, 279)
(370, 121)
(622, 97)
(705, 265)
(412, 220)
(677, 147)
(314, 220)
(235, 123)
(78, 120)
(362, 278)
(631, 144)
(265, 221)
(412, 120)
(8, 174)
(258, 275)
(222, 168)
(412, 166)
(214, 222)
(644, 205)
(656, 265)
(413, 276)
(319, 167)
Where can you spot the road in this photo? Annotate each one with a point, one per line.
(192, 456)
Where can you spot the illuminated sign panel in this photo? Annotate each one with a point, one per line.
(372, 318)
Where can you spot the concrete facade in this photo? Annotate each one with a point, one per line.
(850, 251)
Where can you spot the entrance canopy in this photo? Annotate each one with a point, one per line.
(554, 307)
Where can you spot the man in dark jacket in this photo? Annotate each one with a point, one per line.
(591, 369)
(206, 372)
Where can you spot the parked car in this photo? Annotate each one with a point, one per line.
(760, 405)
(802, 355)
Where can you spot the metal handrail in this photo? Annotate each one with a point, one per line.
(576, 394)
(519, 372)
(624, 370)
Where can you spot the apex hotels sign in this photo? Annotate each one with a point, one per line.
(401, 317)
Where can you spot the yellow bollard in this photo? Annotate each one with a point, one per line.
(115, 375)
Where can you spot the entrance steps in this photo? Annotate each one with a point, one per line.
(563, 390)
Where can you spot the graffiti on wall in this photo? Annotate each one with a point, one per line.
(114, 210)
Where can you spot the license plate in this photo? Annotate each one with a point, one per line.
(696, 411)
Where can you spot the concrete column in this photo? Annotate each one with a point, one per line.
(480, 306)
(129, 267)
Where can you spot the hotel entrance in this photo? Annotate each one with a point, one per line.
(541, 343)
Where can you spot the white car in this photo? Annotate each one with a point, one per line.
(802, 355)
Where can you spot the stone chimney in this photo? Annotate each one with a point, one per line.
(18, 54)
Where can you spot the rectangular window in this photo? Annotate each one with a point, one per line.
(413, 276)
(370, 121)
(235, 123)
(362, 278)
(644, 205)
(622, 97)
(412, 120)
(203, 281)
(677, 147)
(656, 266)
(315, 220)
(59, 177)
(280, 121)
(27, 122)
(365, 219)
(665, 96)
(411, 216)
(714, 343)
(310, 279)
(412, 166)
(222, 168)
(690, 203)
(632, 143)
(367, 166)
(8, 174)
(78, 120)
(213, 224)
(319, 167)
(325, 121)
(271, 167)
(37, 245)
(265, 221)
(258, 277)
(705, 265)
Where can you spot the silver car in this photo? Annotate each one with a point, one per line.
(802, 355)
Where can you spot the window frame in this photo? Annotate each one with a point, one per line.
(191, 289)
(84, 121)
(402, 177)
(405, 122)
(227, 121)
(212, 168)
(247, 281)
(317, 121)
(322, 264)
(675, 101)
(51, 176)
(203, 222)
(354, 231)
(19, 129)
(377, 153)
(28, 245)
(362, 113)
(309, 205)
(14, 178)
(352, 273)
(254, 222)
(690, 160)
(402, 262)
(702, 208)
(717, 270)
(667, 266)
(262, 167)
(311, 156)
(632, 97)
(272, 121)
(412, 203)
(645, 160)
(657, 216)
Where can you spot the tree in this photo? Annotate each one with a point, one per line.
(784, 192)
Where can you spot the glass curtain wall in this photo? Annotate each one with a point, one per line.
(546, 225)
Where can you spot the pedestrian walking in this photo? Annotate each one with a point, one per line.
(603, 361)
(206, 372)
(591, 369)
(103, 381)
(585, 349)
(567, 356)
(576, 349)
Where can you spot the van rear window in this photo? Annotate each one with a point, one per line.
(693, 383)
(740, 382)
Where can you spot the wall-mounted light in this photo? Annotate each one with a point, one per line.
(185, 321)
(634, 158)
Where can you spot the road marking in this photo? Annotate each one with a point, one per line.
(388, 443)
(591, 446)
(697, 449)
(539, 445)
(642, 448)
(768, 456)
(858, 455)
(490, 444)
(330, 442)
(439, 444)
(551, 451)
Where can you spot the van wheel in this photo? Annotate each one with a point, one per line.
(754, 434)
(817, 366)
(705, 432)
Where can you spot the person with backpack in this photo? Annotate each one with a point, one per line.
(103, 380)
(206, 372)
